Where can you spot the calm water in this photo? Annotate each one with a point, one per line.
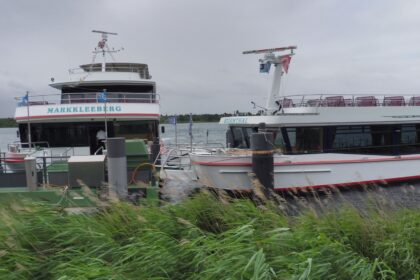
(202, 133)
(7, 136)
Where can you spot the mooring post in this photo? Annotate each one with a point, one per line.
(117, 166)
(262, 157)
(31, 176)
(154, 151)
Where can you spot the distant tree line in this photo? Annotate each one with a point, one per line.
(184, 118)
(7, 122)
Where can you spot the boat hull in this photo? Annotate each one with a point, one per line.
(307, 171)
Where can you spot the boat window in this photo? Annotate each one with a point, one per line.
(351, 139)
(305, 139)
(279, 141)
(57, 134)
(410, 138)
(375, 139)
(239, 140)
(136, 129)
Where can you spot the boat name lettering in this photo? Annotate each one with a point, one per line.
(235, 120)
(83, 109)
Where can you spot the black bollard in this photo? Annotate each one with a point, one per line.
(117, 166)
(262, 158)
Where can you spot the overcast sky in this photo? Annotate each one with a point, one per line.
(194, 47)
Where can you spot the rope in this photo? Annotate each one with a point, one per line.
(135, 171)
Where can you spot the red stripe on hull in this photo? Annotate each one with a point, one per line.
(14, 160)
(381, 181)
(221, 163)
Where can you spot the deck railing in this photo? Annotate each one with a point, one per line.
(142, 71)
(90, 97)
(330, 100)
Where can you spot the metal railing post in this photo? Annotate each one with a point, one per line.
(44, 170)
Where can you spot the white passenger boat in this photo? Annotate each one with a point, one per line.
(99, 100)
(319, 140)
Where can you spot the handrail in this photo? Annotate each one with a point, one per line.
(348, 100)
(141, 70)
(27, 145)
(90, 97)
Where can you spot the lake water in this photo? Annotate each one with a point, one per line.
(202, 133)
(7, 136)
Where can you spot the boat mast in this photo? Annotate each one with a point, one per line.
(281, 64)
(103, 48)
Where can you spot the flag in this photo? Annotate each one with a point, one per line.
(265, 67)
(190, 126)
(102, 96)
(24, 100)
(285, 61)
(172, 120)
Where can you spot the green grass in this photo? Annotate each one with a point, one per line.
(205, 237)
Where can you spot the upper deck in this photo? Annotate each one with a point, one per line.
(324, 110)
(111, 73)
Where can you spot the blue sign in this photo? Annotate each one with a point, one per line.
(24, 100)
(102, 97)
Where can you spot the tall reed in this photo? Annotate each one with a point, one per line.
(208, 237)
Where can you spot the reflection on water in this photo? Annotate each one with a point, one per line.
(202, 133)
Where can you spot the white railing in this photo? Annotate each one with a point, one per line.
(141, 71)
(90, 97)
(348, 100)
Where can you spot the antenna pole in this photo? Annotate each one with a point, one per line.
(280, 62)
(275, 89)
(103, 48)
(29, 123)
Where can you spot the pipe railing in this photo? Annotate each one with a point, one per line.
(348, 100)
(90, 97)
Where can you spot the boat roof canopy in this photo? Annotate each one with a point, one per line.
(76, 84)
(140, 68)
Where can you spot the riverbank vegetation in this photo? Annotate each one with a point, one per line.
(185, 118)
(208, 237)
(7, 122)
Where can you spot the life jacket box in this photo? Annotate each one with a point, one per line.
(90, 170)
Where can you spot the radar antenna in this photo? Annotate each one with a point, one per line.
(265, 64)
(104, 48)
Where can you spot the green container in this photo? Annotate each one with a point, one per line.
(137, 153)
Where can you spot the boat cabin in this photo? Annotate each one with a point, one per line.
(120, 95)
(379, 125)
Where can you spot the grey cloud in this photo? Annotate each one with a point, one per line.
(194, 47)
